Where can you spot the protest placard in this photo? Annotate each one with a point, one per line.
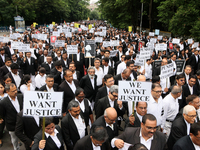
(1, 38)
(144, 55)
(160, 37)
(161, 47)
(157, 31)
(157, 63)
(106, 43)
(72, 49)
(59, 43)
(90, 48)
(151, 33)
(180, 65)
(153, 40)
(15, 45)
(42, 104)
(134, 91)
(138, 61)
(98, 39)
(114, 42)
(23, 47)
(55, 33)
(195, 45)
(175, 41)
(113, 53)
(129, 28)
(167, 71)
(68, 34)
(190, 41)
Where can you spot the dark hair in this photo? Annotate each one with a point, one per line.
(65, 52)
(107, 76)
(155, 79)
(192, 76)
(180, 76)
(49, 76)
(3, 84)
(25, 79)
(138, 103)
(7, 86)
(138, 146)
(58, 63)
(72, 63)
(149, 117)
(99, 133)
(65, 72)
(190, 98)
(198, 72)
(14, 66)
(106, 59)
(78, 91)
(42, 70)
(106, 51)
(48, 121)
(195, 128)
(7, 59)
(129, 63)
(127, 57)
(6, 77)
(155, 85)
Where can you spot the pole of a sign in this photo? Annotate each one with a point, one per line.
(72, 57)
(43, 128)
(89, 61)
(166, 82)
(133, 107)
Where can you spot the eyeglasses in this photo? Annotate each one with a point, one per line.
(114, 95)
(81, 96)
(50, 128)
(111, 120)
(151, 128)
(182, 80)
(143, 108)
(192, 116)
(157, 91)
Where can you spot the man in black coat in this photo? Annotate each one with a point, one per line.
(26, 128)
(69, 87)
(76, 73)
(29, 65)
(189, 89)
(147, 131)
(193, 61)
(108, 121)
(89, 84)
(130, 65)
(58, 72)
(181, 125)
(50, 86)
(65, 61)
(5, 68)
(125, 75)
(97, 138)
(48, 65)
(42, 58)
(2, 57)
(73, 131)
(189, 142)
(110, 101)
(106, 68)
(9, 107)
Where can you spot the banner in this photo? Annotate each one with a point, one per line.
(153, 40)
(72, 49)
(129, 28)
(161, 47)
(134, 91)
(42, 104)
(175, 41)
(106, 43)
(98, 39)
(144, 55)
(23, 47)
(138, 61)
(90, 48)
(167, 71)
(114, 42)
(113, 53)
(151, 33)
(59, 43)
(180, 65)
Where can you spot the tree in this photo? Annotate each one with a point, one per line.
(94, 15)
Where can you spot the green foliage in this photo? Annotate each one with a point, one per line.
(44, 11)
(94, 15)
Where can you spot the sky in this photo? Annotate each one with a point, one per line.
(93, 1)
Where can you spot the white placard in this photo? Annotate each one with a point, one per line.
(151, 33)
(15, 45)
(144, 55)
(17, 35)
(167, 71)
(6, 40)
(59, 43)
(195, 45)
(72, 49)
(114, 42)
(68, 34)
(161, 47)
(134, 91)
(138, 61)
(175, 41)
(98, 39)
(55, 33)
(153, 40)
(113, 53)
(23, 47)
(1, 38)
(160, 37)
(42, 104)
(106, 43)
(190, 41)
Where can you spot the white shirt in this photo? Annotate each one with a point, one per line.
(171, 108)
(54, 138)
(111, 102)
(105, 70)
(174, 66)
(96, 147)
(49, 90)
(80, 125)
(155, 109)
(139, 116)
(132, 77)
(72, 86)
(65, 61)
(8, 68)
(191, 89)
(16, 78)
(148, 71)
(100, 76)
(5, 95)
(196, 56)
(92, 82)
(107, 90)
(74, 75)
(121, 67)
(147, 143)
(186, 77)
(165, 83)
(59, 58)
(24, 88)
(110, 126)
(15, 103)
(3, 58)
(29, 60)
(78, 57)
(188, 127)
(82, 105)
(40, 80)
(197, 147)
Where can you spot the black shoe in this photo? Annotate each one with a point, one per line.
(120, 128)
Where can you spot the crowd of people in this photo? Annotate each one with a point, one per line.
(92, 114)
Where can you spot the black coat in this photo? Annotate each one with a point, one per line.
(63, 63)
(110, 70)
(44, 88)
(50, 144)
(86, 144)
(184, 143)
(70, 131)
(47, 68)
(2, 63)
(3, 71)
(68, 93)
(22, 129)
(103, 104)
(29, 68)
(90, 92)
(118, 78)
(178, 130)
(9, 113)
(102, 92)
(10, 75)
(57, 75)
(137, 122)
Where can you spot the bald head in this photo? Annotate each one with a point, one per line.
(110, 115)
(141, 78)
